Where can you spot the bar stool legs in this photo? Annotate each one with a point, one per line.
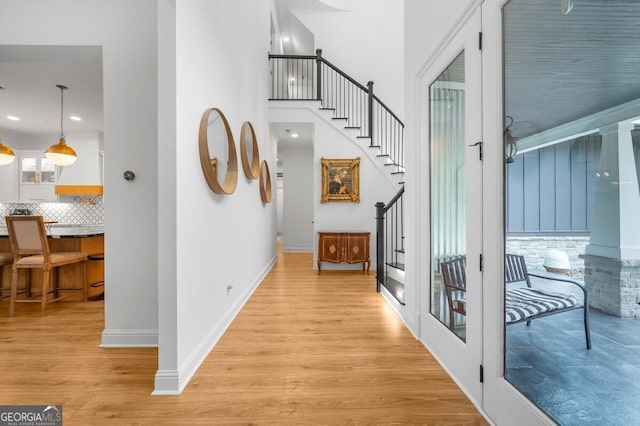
(97, 284)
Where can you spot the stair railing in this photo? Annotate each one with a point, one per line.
(312, 77)
(390, 243)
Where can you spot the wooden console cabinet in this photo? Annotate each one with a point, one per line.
(344, 246)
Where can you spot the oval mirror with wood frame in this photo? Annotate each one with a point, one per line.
(249, 151)
(265, 182)
(215, 143)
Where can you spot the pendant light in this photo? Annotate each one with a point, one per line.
(6, 154)
(61, 154)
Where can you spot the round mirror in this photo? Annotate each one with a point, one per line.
(249, 151)
(265, 182)
(217, 152)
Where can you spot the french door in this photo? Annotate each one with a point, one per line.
(451, 104)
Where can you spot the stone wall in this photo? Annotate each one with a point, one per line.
(534, 249)
(613, 285)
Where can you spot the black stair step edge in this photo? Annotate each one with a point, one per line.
(395, 288)
(327, 109)
(340, 118)
(367, 137)
(352, 127)
(392, 164)
(396, 265)
(397, 173)
(399, 250)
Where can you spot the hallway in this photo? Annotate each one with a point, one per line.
(306, 349)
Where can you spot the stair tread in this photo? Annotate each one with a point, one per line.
(395, 287)
(396, 265)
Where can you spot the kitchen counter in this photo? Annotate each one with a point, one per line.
(67, 231)
(88, 239)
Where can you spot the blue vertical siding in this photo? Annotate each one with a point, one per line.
(552, 189)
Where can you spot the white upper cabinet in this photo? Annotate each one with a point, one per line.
(9, 186)
(36, 176)
(87, 170)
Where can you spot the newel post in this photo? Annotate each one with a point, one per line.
(370, 110)
(379, 244)
(319, 74)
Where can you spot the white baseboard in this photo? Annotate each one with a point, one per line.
(122, 338)
(173, 382)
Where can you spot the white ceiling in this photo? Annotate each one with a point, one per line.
(563, 67)
(29, 75)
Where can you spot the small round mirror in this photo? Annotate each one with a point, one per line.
(217, 152)
(265, 182)
(249, 151)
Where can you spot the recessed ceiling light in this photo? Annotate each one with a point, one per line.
(294, 135)
(75, 118)
(13, 118)
(286, 39)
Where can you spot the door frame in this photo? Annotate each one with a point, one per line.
(503, 403)
(462, 360)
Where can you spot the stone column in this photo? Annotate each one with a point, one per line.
(612, 259)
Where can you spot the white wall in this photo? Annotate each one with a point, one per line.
(365, 40)
(221, 245)
(127, 33)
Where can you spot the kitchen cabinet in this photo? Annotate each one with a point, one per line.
(344, 246)
(9, 188)
(87, 170)
(37, 177)
(84, 177)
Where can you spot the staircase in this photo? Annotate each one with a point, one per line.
(354, 107)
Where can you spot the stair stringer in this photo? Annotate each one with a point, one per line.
(289, 111)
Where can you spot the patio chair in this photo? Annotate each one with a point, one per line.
(521, 303)
(529, 303)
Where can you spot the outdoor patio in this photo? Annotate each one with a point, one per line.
(549, 363)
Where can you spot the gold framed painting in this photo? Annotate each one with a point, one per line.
(340, 179)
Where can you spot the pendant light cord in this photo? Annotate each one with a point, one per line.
(61, 111)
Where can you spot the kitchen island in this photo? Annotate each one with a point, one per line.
(64, 237)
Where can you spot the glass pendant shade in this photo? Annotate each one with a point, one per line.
(61, 154)
(6, 154)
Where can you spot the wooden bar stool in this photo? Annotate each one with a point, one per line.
(30, 248)
(5, 259)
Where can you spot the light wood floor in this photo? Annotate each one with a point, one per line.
(307, 349)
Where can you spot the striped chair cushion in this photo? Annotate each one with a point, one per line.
(522, 303)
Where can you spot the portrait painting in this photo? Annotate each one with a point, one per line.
(340, 179)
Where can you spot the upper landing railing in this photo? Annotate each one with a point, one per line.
(308, 77)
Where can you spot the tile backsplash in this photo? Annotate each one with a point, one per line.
(78, 210)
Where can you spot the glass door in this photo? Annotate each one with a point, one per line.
(452, 101)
